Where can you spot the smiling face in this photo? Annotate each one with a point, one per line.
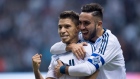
(87, 25)
(68, 31)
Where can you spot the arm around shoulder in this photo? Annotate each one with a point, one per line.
(58, 48)
(83, 69)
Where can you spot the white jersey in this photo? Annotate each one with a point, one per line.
(107, 57)
(68, 59)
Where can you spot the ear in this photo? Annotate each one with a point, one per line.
(78, 28)
(99, 24)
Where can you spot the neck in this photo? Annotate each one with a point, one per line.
(99, 33)
(74, 40)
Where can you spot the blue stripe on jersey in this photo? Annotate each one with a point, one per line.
(95, 59)
(104, 43)
(96, 65)
(91, 46)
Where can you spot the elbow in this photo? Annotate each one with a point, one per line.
(87, 72)
(81, 70)
(84, 73)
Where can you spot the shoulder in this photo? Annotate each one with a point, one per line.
(89, 48)
(55, 57)
(111, 38)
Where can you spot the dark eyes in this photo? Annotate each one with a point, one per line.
(65, 26)
(85, 23)
(59, 27)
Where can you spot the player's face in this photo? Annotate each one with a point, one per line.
(67, 30)
(87, 25)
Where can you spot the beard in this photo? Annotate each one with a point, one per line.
(93, 33)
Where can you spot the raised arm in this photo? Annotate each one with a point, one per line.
(36, 60)
(50, 73)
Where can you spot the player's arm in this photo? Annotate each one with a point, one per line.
(58, 48)
(37, 74)
(93, 76)
(88, 74)
(83, 69)
(36, 60)
(94, 62)
(50, 73)
(77, 49)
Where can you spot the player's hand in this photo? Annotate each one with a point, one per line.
(57, 69)
(78, 50)
(36, 61)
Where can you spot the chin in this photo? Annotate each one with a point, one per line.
(86, 38)
(64, 41)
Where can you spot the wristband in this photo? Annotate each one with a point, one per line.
(62, 69)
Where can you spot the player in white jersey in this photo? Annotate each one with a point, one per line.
(68, 30)
(107, 55)
(69, 59)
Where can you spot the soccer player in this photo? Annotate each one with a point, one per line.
(107, 55)
(68, 29)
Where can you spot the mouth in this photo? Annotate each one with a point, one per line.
(84, 32)
(64, 36)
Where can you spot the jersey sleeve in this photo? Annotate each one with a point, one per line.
(83, 69)
(108, 48)
(105, 50)
(58, 48)
(50, 72)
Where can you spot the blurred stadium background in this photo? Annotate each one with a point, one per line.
(28, 27)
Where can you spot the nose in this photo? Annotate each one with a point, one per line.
(82, 27)
(63, 30)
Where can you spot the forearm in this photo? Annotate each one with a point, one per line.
(94, 62)
(84, 69)
(38, 74)
(93, 76)
(58, 48)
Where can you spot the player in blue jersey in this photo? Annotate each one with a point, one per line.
(68, 29)
(107, 55)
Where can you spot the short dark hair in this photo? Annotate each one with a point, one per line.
(94, 8)
(74, 16)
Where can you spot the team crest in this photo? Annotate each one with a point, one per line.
(94, 59)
